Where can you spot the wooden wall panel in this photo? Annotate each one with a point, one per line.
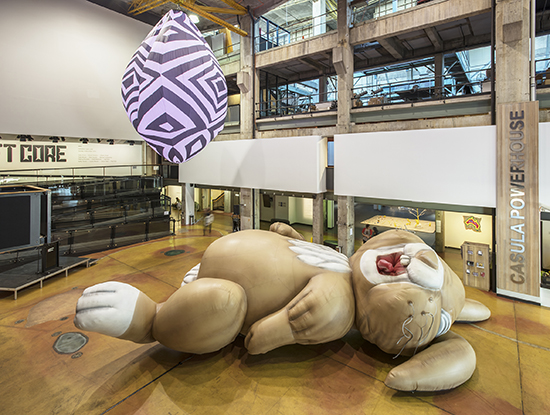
(518, 268)
(476, 265)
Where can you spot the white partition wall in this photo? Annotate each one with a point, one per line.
(293, 164)
(43, 156)
(456, 233)
(544, 164)
(447, 165)
(62, 67)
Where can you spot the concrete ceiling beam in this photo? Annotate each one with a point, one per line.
(315, 65)
(394, 47)
(434, 38)
(417, 18)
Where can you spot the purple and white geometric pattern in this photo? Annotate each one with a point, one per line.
(174, 90)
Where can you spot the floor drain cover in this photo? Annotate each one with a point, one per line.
(174, 252)
(69, 343)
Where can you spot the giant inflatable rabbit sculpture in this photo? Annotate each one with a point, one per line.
(276, 289)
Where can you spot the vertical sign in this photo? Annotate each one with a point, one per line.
(518, 257)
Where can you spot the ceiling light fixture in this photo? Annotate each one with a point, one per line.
(194, 18)
(25, 137)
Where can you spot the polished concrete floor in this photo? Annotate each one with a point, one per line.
(343, 377)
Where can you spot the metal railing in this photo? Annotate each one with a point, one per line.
(78, 240)
(446, 86)
(224, 51)
(11, 258)
(105, 236)
(375, 9)
(91, 213)
(269, 35)
(456, 84)
(64, 175)
(296, 104)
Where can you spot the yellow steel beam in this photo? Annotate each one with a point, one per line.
(221, 10)
(235, 5)
(141, 6)
(188, 5)
(228, 41)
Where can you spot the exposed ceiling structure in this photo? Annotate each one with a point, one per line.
(462, 34)
(296, 11)
(465, 33)
(152, 15)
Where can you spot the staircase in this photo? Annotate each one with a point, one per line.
(219, 202)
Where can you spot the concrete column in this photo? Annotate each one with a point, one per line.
(512, 51)
(250, 209)
(207, 195)
(149, 158)
(227, 197)
(201, 199)
(205, 199)
(323, 88)
(346, 224)
(439, 231)
(235, 200)
(342, 58)
(318, 218)
(517, 234)
(188, 204)
(439, 68)
(256, 212)
(246, 80)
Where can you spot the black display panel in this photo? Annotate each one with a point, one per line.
(44, 214)
(15, 221)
